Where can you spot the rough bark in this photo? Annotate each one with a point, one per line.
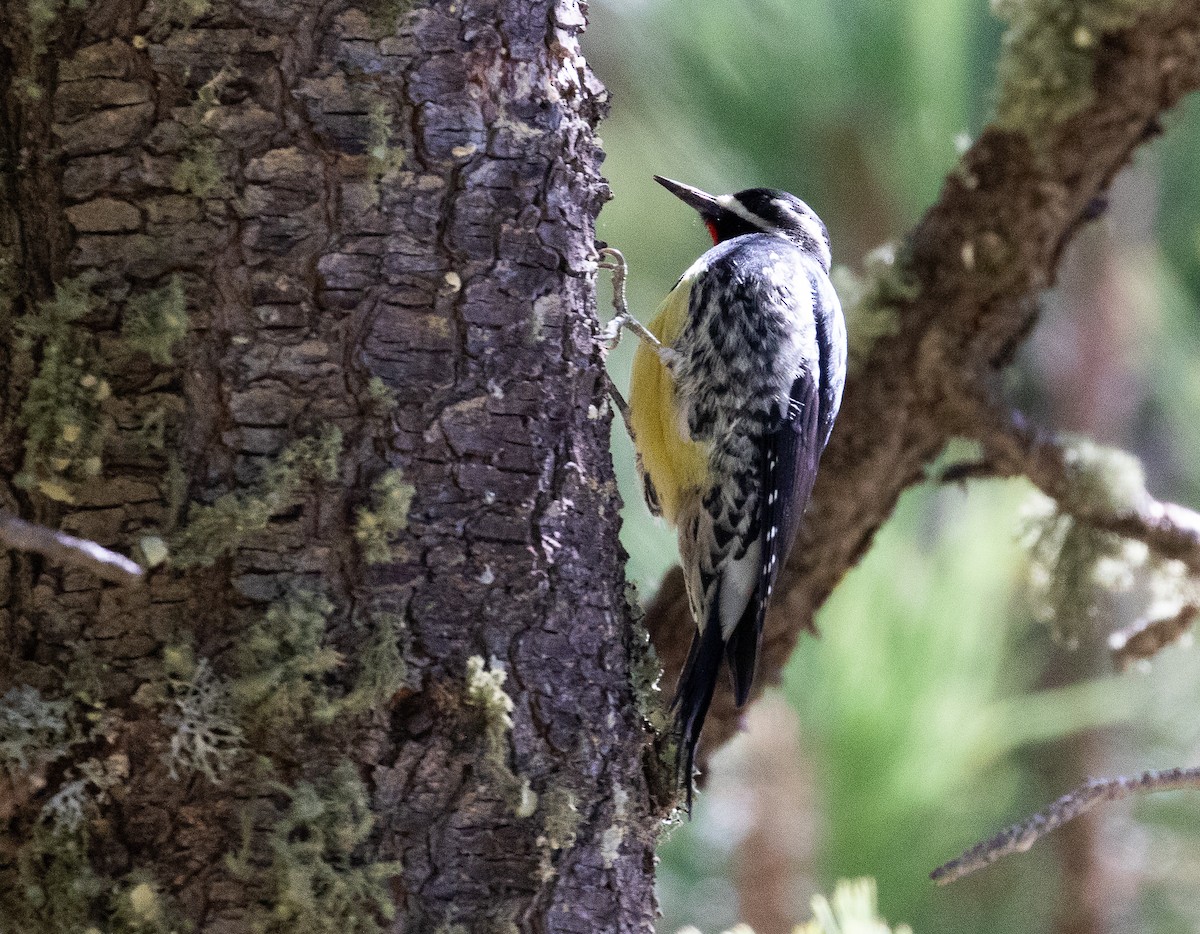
(976, 261)
(379, 221)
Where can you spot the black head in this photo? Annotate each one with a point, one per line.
(756, 210)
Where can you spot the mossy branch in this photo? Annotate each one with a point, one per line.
(969, 272)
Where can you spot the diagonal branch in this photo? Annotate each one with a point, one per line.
(61, 548)
(1020, 837)
(1014, 449)
(975, 261)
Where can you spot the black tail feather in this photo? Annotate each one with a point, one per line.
(693, 696)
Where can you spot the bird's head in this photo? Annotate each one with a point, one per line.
(756, 210)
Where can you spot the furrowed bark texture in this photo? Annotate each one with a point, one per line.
(978, 257)
(380, 220)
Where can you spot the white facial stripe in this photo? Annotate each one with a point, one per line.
(805, 220)
(731, 204)
(812, 229)
(810, 224)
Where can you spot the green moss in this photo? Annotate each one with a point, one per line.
(391, 499)
(9, 288)
(319, 879)
(157, 321)
(282, 663)
(206, 737)
(384, 15)
(380, 398)
(42, 16)
(51, 887)
(872, 302)
(33, 731)
(199, 171)
(61, 411)
(217, 530)
(183, 12)
(382, 157)
(1048, 59)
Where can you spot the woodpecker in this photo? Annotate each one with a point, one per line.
(734, 392)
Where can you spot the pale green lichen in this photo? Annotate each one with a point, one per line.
(387, 516)
(382, 671)
(50, 887)
(282, 662)
(1073, 567)
(614, 833)
(217, 530)
(86, 787)
(560, 818)
(381, 400)
(182, 12)
(60, 415)
(33, 731)
(485, 692)
(1102, 479)
(872, 301)
(199, 171)
(383, 158)
(206, 737)
(645, 669)
(42, 15)
(1047, 64)
(138, 906)
(319, 880)
(156, 322)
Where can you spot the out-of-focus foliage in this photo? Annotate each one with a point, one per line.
(921, 717)
(851, 910)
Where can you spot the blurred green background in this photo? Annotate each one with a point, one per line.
(934, 710)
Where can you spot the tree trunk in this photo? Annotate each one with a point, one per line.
(296, 303)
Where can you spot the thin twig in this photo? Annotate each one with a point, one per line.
(1146, 638)
(1020, 837)
(61, 548)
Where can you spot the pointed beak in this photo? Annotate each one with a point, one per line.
(703, 202)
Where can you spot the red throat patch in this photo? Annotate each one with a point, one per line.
(712, 230)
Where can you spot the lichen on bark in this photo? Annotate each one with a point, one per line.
(319, 238)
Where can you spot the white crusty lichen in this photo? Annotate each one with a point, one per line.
(872, 301)
(485, 692)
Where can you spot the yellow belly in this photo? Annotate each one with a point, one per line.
(674, 463)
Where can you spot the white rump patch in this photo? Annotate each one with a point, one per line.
(739, 581)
